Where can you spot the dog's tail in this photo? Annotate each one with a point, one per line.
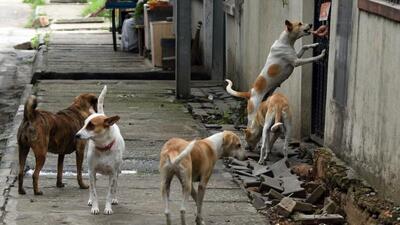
(182, 155)
(278, 120)
(100, 101)
(30, 108)
(236, 93)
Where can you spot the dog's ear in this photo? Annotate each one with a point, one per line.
(289, 25)
(111, 121)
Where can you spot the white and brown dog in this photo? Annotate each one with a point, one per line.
(194, 162)
(280, 63)
(273, 119)
(105, 149)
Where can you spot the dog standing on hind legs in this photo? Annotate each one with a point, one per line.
(194, 162)
(272, 120)
(105, 148)
(45, 132)
(280, 64)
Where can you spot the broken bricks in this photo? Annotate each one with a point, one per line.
(270, 183)
(318, 219)
(292, 186)
(285, 206)
(316, 194)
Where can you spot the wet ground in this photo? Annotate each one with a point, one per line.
(149, 116)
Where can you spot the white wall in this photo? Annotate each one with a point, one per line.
(366, 132)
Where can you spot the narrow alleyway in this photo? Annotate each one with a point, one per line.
(149, 116)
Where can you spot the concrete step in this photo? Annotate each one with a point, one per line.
(68, 1)
(79, 20)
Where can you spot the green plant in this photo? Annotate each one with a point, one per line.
(35, 3)
(94, 6)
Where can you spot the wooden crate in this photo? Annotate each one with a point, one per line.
(158, 31)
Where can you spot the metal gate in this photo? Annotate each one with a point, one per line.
(319, 78)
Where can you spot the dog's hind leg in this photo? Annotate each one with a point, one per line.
(184, 177)
(60, 166)
(288, 129)
(200, 196)
(40, 155)
(22, 154)
(166, 179)
(80, 153)
(265, 147)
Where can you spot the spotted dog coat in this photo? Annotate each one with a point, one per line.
(280, 64)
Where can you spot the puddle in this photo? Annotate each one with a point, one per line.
(73, 174)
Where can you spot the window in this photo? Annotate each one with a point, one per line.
(389, 9)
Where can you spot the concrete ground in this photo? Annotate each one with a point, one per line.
(149, 117)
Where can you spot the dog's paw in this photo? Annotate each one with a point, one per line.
(90, 202)
(323, 53)
(60, 184)
(38, 192)
(108, 211)
(21, 191)
(114, 201)
(199, 221)
(95, 210)
(83, 186)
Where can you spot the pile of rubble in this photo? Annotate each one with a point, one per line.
(287, 195)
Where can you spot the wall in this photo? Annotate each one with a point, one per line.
(247, 48)
(365, 131)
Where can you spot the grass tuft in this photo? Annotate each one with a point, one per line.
(93, 6)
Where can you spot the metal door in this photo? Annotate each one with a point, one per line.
(319, 78)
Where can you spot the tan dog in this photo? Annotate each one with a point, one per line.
(47, 132)
(273, 118)
(280, 64)
(194, 162)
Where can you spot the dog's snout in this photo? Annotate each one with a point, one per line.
(310, 25)
(77, 136)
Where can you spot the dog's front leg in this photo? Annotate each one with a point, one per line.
(92, 193)
(112, 182)
(300, 62)
(60, 165)
(305, 48)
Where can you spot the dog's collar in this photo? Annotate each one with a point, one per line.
(107, 147)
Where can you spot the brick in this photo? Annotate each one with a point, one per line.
(243, 173)
(330, 206)
(292, 186)
(258, 202)
(280, 169)
(213, 126)
(285, 206)
(304, 207)
(316, 194)
(269, 182)
(243, 168)
(272, 194)
(262, 170)
(318, 219)
(251, 182)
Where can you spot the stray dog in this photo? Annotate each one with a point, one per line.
(273, 119)
(194, 162)
(105, 149)
(47, 132)
(280, 63)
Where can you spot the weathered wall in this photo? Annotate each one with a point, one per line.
(261, 23)
(365, 132)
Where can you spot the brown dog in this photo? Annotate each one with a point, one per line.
(194, 162)
(48, 132)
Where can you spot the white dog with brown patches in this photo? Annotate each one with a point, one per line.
(273, 119)
(280, 64)
(105, 149)
(194, 162)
